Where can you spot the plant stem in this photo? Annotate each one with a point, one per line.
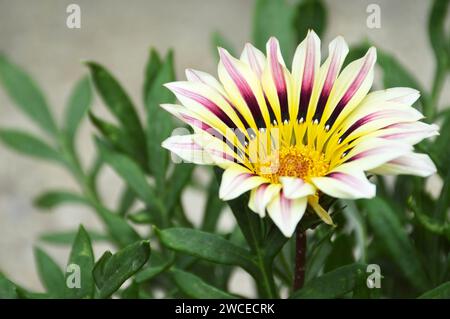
(300, 259)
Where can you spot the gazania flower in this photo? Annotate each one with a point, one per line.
(289, 137)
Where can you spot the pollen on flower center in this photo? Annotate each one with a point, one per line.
(295, 161)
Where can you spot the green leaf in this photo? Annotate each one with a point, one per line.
(194, 287)
(27, 144)
(436, 32)
(178, 180)
(341, 253)
(127, 199)
(310, 15)
(143, 217)
(438, 149)
(119, 138)
(50, 274)
(8, 290)
(151, 71)
(274, 242)
(152, 271)
(317, 255)
(218, 40)
(440, 292)
(81, 256)
(54, 199)
(389, 231)
(79, 102)
(206, 246)
(274, 18)
(126, 168)
(213, 208)
(356, 222)
(111, 271)
(443, 203)
(68, 237)
(333, 284)
(122, 233)
(119, 104)
(25, 93)
(131, 292)
(159, 122)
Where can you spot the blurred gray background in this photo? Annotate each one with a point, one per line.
(118, 34)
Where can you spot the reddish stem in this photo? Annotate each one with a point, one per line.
(300, 259)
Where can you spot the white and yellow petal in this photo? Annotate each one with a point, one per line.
(345, 183)
(294, 187)
(410, 164)
(286, 213)
(261, 196)
(236, 180)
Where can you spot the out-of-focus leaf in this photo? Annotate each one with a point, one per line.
(310, 14)
(79, 103)
(27, 144)
(151, 71)
(68, 237)
(159, 122)
(333, 284)
(358, 224)
(389, 230)
(131, 292)
(50, 273)
(274, 242)
(54, 199)
(218, 40)
(82, 257)
(207, 246)
(341, 254)
(126, 168)
(120, 105)
(111, 271)
(443, 203)
(127, 200)
(274, 18)
(122, 233)
(436, 32)
(27, 96)
(440, 292)
(8, 289)
(152, 271)
(213, 208)
(439, 149)
(178, 180)
(118, 137)
(429, 223)
(317, 256)
(144, 217)
(194, 287)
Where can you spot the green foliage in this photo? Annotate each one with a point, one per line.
(309, 15)
(405, 230)
(26, 95)
(51, 275)
(274, 18)
(195, 287)
(334, 284)
(112, 270)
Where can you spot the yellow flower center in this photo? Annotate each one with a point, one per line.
(296, 161)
